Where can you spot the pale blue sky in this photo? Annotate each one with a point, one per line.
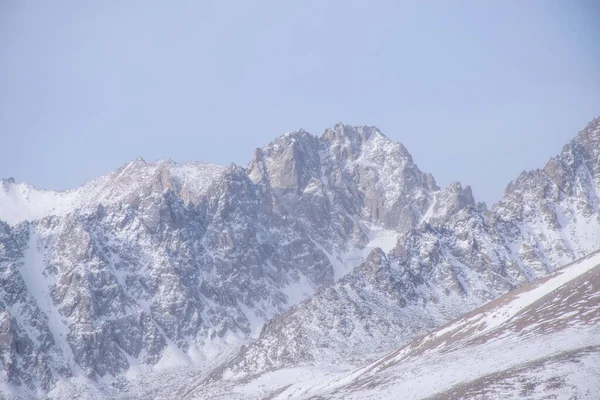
(477, 91)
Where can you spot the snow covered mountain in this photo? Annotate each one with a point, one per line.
(129, 184)
(322, 250)
(539, 341)
(458, 257)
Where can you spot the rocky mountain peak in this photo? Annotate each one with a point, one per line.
(590, 135)
(288, 163)
(355, 168)
(7, 181)
(162, 264)
(353, 142)
(293, 138)
(585, 149)
(361, 133)
(447, 202)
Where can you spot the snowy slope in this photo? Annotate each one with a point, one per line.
(20, 202)
(539, 341)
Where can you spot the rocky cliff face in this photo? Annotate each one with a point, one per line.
(550, 216)
(459, 256)
(154, 281)
(159, 265)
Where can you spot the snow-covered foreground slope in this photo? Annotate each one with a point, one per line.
(539, 341)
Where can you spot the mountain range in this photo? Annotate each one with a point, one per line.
(321, 255)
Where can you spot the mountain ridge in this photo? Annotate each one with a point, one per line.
(196, 270)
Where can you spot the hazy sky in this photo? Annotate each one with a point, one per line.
(477, 91)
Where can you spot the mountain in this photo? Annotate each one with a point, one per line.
(539, 341)
(151, 267)
(329, 250)
(130, 184)
(458, 257)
